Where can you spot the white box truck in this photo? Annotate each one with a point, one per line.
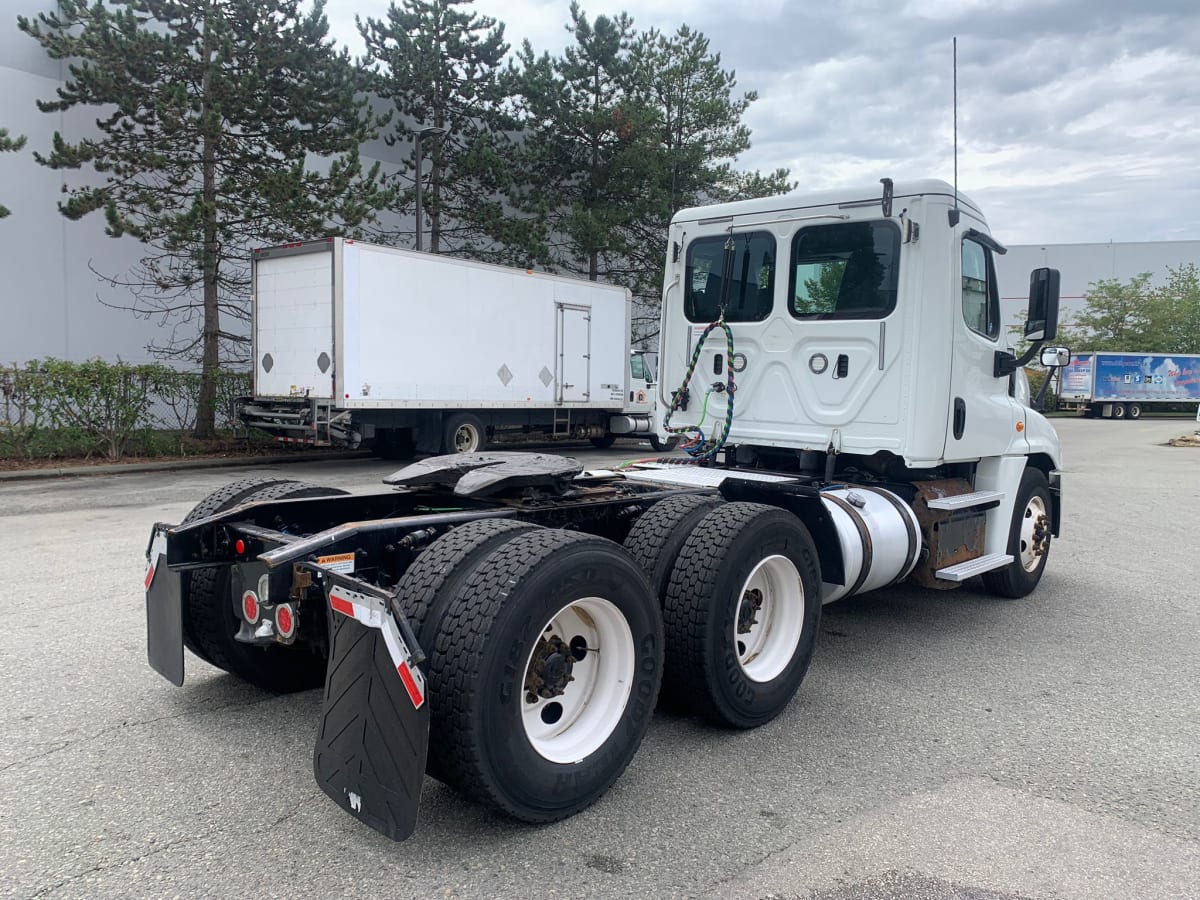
(413, 352)
(505, 621)
(1120, 385)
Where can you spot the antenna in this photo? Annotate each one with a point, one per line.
(954, 212)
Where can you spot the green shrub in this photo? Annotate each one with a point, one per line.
(24, 409)
(52, 409)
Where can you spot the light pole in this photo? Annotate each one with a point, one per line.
(427, 130)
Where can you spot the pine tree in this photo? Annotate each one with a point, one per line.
(584, 145)
(697, 136)
(440, 66)
(623, 131)
(8, 144)
(211, 112)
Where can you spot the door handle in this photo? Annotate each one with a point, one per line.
(960, 417)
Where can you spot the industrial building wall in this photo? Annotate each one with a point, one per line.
(1083, 264)
(48, 294)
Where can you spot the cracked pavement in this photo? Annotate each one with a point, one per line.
(944, 745)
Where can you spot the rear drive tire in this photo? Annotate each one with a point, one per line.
(1118, 411)
(658, 535)
(463, 433)
(603, 443)
(394, 443)
(226, 497)
(209, 617)
(741, 614)
(435, 578)
(1135, 411)
(545, 605)
(1028, 540)
(666, 446)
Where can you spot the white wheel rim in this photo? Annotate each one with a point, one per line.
(769, 619)
(1035, 534)
(580, 715)
(466, 439)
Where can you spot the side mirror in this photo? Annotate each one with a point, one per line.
(1056, 357)
(1041, 323)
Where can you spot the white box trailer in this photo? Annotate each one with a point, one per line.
(415, 351)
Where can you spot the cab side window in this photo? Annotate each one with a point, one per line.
(980, 299)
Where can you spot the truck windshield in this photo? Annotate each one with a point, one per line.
(845, 271)
(752, 283)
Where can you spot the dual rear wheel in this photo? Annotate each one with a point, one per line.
(739, 585)
(545, 658)
(546, 647)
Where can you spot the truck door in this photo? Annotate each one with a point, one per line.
(982, 416)
(640, 398)
(293, 321)
(574, 352)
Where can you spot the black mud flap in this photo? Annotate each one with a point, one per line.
(374, 732)
(164, 620)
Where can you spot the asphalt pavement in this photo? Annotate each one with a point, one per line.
(944, 745)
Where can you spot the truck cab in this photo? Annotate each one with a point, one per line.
(866, 327)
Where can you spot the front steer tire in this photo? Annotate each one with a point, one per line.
(737, 679)
(479, 675)
(208, 612)
(1031, 518)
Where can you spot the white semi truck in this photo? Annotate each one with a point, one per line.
(413, 352)
(506, 621)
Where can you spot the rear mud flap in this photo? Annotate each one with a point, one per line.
(374, 731)
(164, 621)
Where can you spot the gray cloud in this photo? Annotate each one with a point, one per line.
(1078, 120)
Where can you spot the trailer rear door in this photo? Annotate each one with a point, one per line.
(293, 320)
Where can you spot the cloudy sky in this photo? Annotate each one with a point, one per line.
(1079, 120)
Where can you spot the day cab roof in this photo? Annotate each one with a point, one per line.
(799, 200)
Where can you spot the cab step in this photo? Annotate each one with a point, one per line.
(964, 570)
(965, 501)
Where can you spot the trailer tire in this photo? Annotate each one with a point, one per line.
(661, 446)
(1118, 411)
(658, 535)
(1028, 539)
(209, 618)
(1135, 410)
(492, 652)
(463, 433)
(603, 443)
(738, 551)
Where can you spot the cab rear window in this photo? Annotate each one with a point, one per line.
(751, 278)
(848, 270)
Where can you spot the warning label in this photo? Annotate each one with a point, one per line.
(342, 563)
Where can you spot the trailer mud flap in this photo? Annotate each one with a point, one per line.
(164, 620)
(374, 731)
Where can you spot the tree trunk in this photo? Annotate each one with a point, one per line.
(210, 361)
